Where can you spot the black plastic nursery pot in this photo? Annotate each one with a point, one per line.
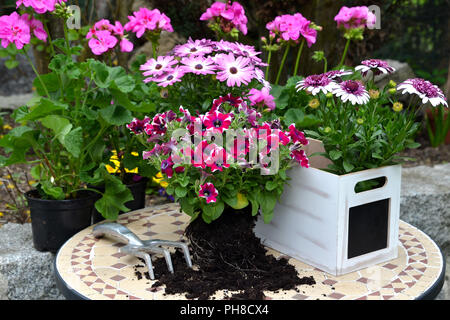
(137, 190)
(53, 222)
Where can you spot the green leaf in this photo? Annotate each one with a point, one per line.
(180, 192)
(11, 64)
(50, 81)
(348, 166)
(267, 200)
(335, 154)
(56, 193)
(73, 141)
(59, 125)
(116, 115)
(271, 185)
(293, 115)
(114, 198)
(44, 108)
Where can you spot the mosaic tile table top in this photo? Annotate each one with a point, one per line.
(95, 269)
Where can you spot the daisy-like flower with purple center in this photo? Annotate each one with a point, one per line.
(209, 192)
(234, 70)
(352, 91)
(426, 91)
(169, 78)
(156, 67)
(229, 99)
(376, 66)
(193, 48)
(317, 83)
(337, 74)
(198, 65)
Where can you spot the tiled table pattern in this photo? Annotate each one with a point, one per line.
(97, 270)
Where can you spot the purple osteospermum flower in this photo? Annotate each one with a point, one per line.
(193, 48)
(426, 91)
(172, 76)
(377, 66)
(209, 192)
(156, 67)
(337, 74)
(316, 83)
(352, 91)
(235, 71)
(137, 126)
(198, 65)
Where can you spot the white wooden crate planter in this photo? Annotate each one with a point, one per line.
(321, 220)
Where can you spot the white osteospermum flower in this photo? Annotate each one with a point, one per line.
(317, 83)
(352, 91)
(426, 91)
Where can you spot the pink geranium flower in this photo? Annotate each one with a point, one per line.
(209, 192)
(102, 42)
(233, 13)
(36, 27)
(355, 17)
(14, 29)
(262, 98)
(292, 27)
(39, 6)
(148, 20)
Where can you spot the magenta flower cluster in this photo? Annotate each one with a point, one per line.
(39, 6)
(355, 17)
(232, 13)
(292, 28)
(148, 20)
(231, 62)
(17, 29)
(175, 156)
(104, 36)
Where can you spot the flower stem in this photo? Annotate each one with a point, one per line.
(344, 54)
(36, 72)
(269, 57)
(299, 53)
(282, 63)
(154, 45)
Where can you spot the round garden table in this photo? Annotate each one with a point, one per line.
(90, 268)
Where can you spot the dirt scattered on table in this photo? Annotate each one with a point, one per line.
(227, 256)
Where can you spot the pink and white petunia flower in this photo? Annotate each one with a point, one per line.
(425, 90)
(353, 91)
(209, 192)
(218, 120)
(317, 83)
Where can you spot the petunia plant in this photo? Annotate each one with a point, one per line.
(225, 158)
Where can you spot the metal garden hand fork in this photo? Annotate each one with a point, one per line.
(141, 248)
